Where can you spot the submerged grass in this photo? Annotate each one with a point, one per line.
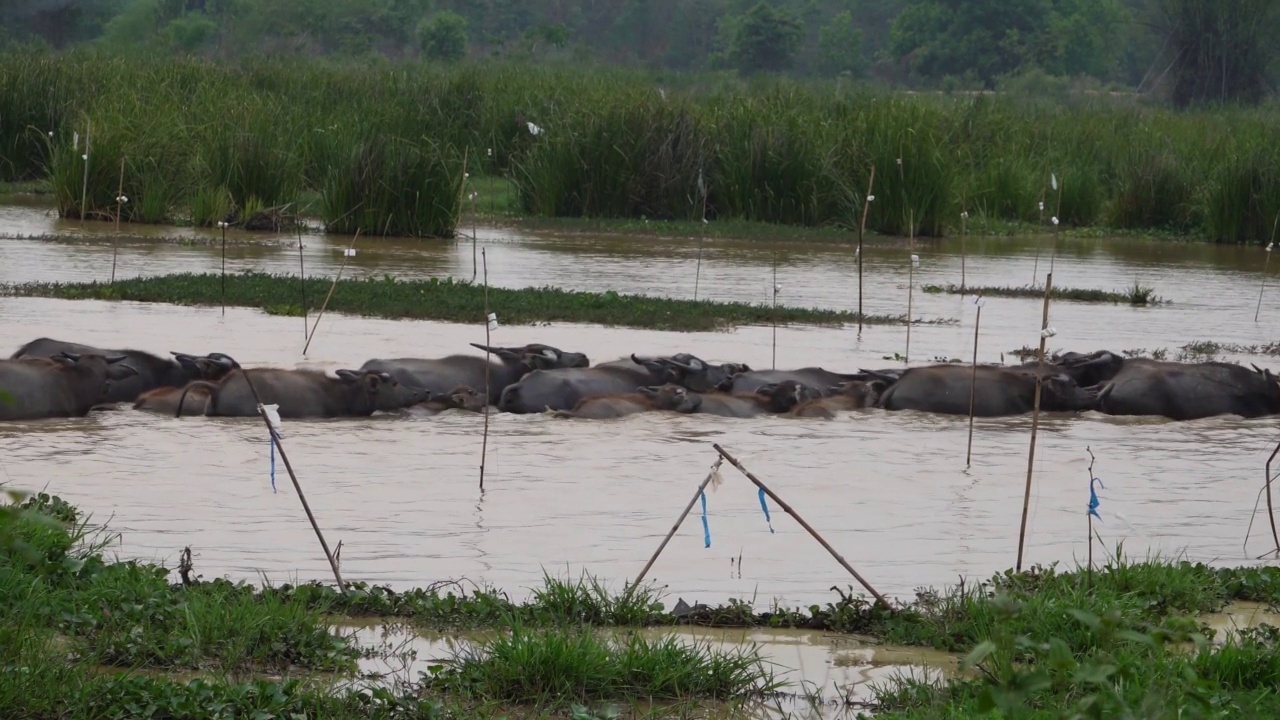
(1135, 295)
(561, 665)
(448, 300)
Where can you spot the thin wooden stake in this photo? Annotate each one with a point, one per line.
(1035, 268)
(1266, 263)
(223, 225)
(115, 241)
(262, 411)
(1035, 419)
(345, 256)
(862, 230)
(911, 280)
(715, 467)
(1057, 225)
(702, 234)
(790, 511)
(84, 187)
(474, 237)
(964, 237)
(302, 272)
(1271, 512)
(484, 443)
(1089, 516)
(775, 311)
(973, 382)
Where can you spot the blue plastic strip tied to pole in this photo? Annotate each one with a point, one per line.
(706, 529)
(765, 507)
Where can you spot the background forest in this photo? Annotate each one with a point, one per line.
(939, 44)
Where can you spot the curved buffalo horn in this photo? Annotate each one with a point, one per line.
(695, 366)
(110, 358)
(550, 354)
(638, 361)
(71, 356)
(348, 375)
(488, 348)
(1256, 368)
(880, 376)
(384, 377)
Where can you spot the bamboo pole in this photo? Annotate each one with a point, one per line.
(488, 325)
(1265, 264)
(302, 273)
(262, 411)
(964, 237)
(715, 467)
(973, 379)
(911, 279)
(115, 241)
(862, 230)
(345, 256)
(790, 511)
(1089, 516)
(775, 311)
(223, 225)
(1057, 225)
(84, 187)
(702, 234)
(1035, 419)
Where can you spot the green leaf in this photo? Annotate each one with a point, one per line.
(978, 654)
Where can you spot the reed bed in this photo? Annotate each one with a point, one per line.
(206, 140)
(449, 300)
(1134, 295)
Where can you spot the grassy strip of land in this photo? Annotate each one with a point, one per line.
(1135, 295)
(1194, 351)
(448, 300)
(1039, 644)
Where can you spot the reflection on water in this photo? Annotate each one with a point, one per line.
(890, 491)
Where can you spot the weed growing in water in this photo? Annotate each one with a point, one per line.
(1135, 295)
(448, 300)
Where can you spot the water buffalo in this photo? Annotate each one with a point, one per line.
(152, 371)
(752, 380)
(166, 400)
(564, 388)
(1187, 391)
(775, 398)
(64, 385)
(443, 375)
(997, 391)
(461, 398)
(306, 393)
(848, 395)
(1086, 369)
(645, 399)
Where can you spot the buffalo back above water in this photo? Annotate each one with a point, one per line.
(563, 388)
(1187, 391)
(65, 385)
(996, 391)
(443, 375)
(151, 371)
(308, 393)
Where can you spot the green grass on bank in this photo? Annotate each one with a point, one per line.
(1123, 641)
(447, 300)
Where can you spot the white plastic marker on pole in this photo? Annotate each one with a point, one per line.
(349, 252)
(273, 417)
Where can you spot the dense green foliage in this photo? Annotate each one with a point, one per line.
(1215, 50)
(450, 300)
(382, 145)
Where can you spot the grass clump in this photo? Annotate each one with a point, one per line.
(387, 186)
(566, 664)
(448, 300)
(1134, 295)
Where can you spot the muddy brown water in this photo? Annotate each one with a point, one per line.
(889, 491)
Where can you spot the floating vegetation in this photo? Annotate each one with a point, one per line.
(1135, 295)
(448, 300)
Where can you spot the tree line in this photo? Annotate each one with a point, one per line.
(1189, 51)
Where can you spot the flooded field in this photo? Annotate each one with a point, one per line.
(889, 491)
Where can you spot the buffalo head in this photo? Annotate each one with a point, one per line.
(1091, 369)
(865, 392)
(385, 393)
(782, 396)
(692, 372)
(672, 397)
(538, 357)
(1062, 392)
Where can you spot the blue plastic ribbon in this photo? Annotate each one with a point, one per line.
(1093, 497)
(272, 440)
(706, 529)
(765, 507)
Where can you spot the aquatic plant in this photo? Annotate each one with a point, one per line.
(1136, 294)
(447, 299)
(559, 665)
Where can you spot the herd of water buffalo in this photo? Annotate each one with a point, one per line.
(52, 378)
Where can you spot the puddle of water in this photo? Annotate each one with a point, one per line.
(1239, 616)
(823, 673)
